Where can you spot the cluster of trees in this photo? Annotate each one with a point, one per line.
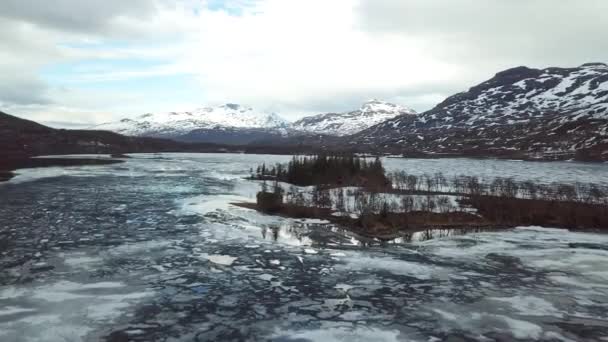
(498, 187)
(329, 170)
(504, 209)
(403, 181)
(548, 213)
(375, 194)
(363, 202)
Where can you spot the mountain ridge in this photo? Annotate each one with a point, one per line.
(538, 112)
(371, 113)
(174, 124)
(235, 124)
(21, 138)
(547, 114)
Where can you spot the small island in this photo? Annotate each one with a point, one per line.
(357, 194)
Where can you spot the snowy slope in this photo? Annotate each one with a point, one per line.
(537, 111)
(371, 113)
(174, 124)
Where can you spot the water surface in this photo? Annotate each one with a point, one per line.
(152, 250)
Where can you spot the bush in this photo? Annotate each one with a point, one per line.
(269, 202)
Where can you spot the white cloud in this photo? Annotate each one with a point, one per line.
(292, 56)
(296, 56)
(491, 34)
(82, 17)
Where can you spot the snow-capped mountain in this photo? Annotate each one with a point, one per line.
(235, 124)
(229, 123)
(538, 112)
(371, 113)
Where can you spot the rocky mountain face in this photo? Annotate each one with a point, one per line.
(340, 124)
(521, 112)
(229, 123)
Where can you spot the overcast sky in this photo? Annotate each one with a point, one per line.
(82, 62)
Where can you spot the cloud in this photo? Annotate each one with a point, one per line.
(115, 58)
(22, 90)
(24, 50)
(496, 32)
(296, 55)
(38, 37)
(75, 16)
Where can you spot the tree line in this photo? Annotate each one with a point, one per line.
(326, 169)
(503, 201)
(498, 187)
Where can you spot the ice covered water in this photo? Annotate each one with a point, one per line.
(152, 249)
(488, 169)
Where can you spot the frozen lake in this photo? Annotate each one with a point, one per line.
(540, 172)
(152, 250)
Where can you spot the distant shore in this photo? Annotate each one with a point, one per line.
(8, 166)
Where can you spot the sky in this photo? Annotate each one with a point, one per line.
(77, 63)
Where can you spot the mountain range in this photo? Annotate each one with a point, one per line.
(229, 123)
(341, 124)
(237, 125)
(556, 113)
(551, 113)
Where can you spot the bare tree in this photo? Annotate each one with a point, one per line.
(325, 199)
(444, 204)
(412, 183)
(340, 201)
(407, 203)
(440, 181)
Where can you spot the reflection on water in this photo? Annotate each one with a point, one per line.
(295, 233)
(325, 234)
(437, 233)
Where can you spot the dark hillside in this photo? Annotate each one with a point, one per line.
(21, 138)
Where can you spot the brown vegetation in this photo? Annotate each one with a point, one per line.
(518, 211)
(421, 202)
(499, 187)
(382, 227)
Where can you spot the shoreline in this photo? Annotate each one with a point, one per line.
(350, 224)
(9, 166)
(266, 150)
